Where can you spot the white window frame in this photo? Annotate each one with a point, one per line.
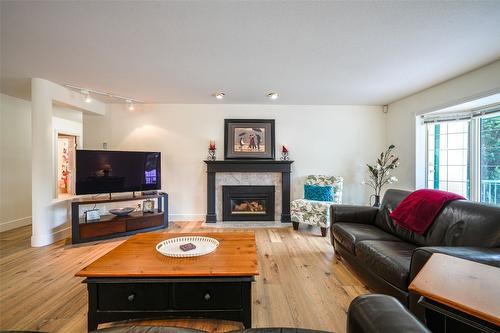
(474, 151)
(475, 159)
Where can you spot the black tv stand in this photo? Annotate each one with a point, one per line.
(111, 226)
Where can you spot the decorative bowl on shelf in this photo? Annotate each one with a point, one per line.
(122, 211)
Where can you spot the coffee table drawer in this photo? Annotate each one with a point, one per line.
(133, 296)
(217, 296)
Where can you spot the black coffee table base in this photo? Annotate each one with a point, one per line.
(443, 319)
(116, 299)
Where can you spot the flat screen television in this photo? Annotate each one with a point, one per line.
(106, 171)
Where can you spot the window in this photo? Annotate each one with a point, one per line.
(463, 156)
(448, 157)
(489, 137)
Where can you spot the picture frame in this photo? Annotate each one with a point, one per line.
(148, 206)
(249, 139)
(92, 215)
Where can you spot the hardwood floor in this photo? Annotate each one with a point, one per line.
(299, 284)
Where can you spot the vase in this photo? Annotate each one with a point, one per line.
(377, 201)
(211, 155)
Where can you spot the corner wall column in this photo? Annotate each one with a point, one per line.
(42, 162)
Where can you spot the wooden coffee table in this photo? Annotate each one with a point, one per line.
(135, 281)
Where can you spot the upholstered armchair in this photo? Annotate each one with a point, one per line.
(320, 192)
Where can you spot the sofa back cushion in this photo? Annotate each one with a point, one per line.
(460, 223)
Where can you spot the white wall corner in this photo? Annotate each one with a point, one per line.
(49, 218)
(47, 239)
(65, 97)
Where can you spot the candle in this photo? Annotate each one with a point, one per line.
(283, 149)
(211, 146)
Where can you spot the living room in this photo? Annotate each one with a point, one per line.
(291, 135)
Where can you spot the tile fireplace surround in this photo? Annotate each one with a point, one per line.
(253, 180)
(248, 172)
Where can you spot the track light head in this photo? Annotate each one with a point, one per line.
(273, 96)
(86, 93)
(130, 105)
(219, 95)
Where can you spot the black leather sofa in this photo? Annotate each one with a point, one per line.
(387, 257)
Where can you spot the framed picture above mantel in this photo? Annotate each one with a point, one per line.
(249, 139)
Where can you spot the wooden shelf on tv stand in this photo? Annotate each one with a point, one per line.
(111, 226)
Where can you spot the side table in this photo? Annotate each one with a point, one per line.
(459, 295)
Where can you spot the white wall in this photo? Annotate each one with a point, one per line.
(15, 163)
(337, 140)
(401, 122)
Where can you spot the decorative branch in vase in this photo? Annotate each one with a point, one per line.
(380, 173)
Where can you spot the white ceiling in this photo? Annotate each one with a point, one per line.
(311, 52)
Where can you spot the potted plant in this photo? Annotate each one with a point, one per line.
(379, 173)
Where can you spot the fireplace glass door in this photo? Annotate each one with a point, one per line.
(248, 206)
(248, 203)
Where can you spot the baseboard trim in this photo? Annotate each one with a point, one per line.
(47, 239)
(186, 217)
(9, 225)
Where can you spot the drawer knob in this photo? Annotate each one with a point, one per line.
(131, 297)
(207, 297)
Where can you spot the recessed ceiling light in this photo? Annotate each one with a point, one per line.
(274, 96)
(219, 95)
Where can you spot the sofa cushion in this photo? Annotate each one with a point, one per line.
(311, 212)
(388, 259)
(348, 234)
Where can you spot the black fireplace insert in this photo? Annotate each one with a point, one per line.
(247, 203)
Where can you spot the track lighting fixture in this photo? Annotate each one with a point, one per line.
(273, 96)
(86, 93)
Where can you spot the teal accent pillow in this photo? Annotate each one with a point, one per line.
(318, 193)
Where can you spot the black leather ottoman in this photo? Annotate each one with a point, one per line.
(381, 314)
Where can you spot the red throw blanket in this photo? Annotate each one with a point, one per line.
(419, 209)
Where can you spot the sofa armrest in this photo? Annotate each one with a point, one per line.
(488, 256)
(353, 214)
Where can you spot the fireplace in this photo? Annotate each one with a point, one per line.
(219, 168)
(248, 203)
